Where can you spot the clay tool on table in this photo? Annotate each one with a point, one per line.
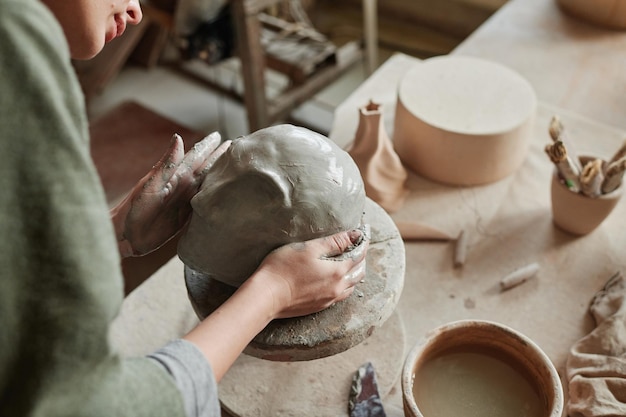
(364, 399)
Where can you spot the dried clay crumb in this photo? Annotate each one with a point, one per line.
(519, 276)
(460, 250)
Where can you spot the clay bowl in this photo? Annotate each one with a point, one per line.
(463, 120)
(610, 14)
(496, 346)
(577, 213)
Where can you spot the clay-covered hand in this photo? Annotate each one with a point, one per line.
(294, 280)
(158, 207)
(303, 278)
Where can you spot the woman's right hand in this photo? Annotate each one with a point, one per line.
(306, 277)
(294, 280)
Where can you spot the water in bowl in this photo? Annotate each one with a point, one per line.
(474, 384)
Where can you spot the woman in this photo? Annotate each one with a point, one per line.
(61, 283)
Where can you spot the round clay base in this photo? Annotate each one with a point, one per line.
(258, 388)
(463, 120)
(337, 328)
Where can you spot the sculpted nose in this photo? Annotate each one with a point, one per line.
(133, 12)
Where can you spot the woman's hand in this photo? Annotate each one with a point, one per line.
(293, 280)
(159, 205)
(303, 278)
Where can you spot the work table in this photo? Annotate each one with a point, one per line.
(571, 64)
(578, 73)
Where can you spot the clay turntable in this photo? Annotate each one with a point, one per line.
(299, 183)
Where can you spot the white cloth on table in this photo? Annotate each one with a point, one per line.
(596, 366)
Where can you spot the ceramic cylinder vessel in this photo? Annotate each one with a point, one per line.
(462, 120)
(577, 213)
(500, 341)
(610, 14)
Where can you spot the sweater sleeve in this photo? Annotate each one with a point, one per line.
(193, 377)
(61, 283)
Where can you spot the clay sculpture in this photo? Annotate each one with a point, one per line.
(277, 185)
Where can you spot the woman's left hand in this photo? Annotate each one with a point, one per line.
(159, 206)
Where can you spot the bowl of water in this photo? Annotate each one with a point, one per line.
(479, 368)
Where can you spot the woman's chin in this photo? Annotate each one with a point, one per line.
(86, 52)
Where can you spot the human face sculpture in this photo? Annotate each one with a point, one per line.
(89, 24)
(279, 185)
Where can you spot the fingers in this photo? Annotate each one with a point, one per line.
(337, 244)
(348, 245)
(171, 158)
(350, 280)
(185, 174)
(164, 169)
(344, 295)
(192, 169)
(201, 151)
(357, 271)
(356, 274)
(202, 169)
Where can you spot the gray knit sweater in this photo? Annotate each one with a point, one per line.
(60, 276)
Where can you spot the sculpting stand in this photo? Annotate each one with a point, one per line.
(337, 328)
(314, 357)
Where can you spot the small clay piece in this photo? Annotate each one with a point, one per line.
(460, 250)
(519, 276)
(277, 185)
(382, 171)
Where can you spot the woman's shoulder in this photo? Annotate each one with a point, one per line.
(20, 17)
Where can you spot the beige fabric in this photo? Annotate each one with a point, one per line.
(596, 366)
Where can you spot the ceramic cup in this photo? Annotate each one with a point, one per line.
(463, 393)
(577, 213)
